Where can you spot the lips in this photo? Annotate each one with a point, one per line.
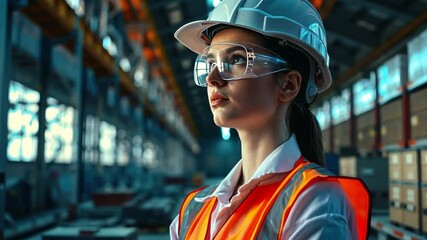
(217, 99)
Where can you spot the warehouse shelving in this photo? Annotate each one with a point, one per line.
(385, 228)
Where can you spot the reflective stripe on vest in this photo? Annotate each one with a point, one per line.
(264, 217)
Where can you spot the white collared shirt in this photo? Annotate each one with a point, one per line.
(322, 211)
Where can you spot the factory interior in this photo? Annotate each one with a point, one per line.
(104, 132)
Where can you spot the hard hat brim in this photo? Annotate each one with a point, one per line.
(191, 34)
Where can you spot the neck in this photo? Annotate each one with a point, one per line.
(257, 145)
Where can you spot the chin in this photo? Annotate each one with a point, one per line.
(220, 123)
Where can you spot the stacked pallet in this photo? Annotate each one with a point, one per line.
(408, 188)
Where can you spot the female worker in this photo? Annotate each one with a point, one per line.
(263, 63)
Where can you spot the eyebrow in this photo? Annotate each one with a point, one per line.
(227, 51)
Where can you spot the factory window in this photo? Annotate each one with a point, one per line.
(417, 64)
(364, 95)
(137, 149)
(323, 115)
(107, 143)
(390, 79)
(23, 123)
(341, 107)
(123, 148)
(149, 157)
(91, 153)
(59, 132)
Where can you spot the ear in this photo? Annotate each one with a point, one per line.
(291, 84)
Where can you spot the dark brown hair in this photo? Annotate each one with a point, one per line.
(302, 121)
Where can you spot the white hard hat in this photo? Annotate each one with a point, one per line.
(295, 21)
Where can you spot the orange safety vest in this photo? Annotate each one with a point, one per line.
(247, 221)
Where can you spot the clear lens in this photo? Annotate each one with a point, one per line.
(234, 62)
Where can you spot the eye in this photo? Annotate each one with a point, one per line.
(237, 58)
(210, 62)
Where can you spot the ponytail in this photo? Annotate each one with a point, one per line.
(305, 126)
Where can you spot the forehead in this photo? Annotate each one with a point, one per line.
(237, 35)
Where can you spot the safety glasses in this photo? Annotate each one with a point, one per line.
(235, 61)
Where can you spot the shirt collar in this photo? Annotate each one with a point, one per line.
(281, 160)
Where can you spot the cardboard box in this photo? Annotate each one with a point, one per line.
(418, 114)
(343, 166)
(419, 124)
(396, 212)
(348, 166)
(410, 166)
(411, 206)
(341, 136)
(365, 132)
(391, 123)
(395, 166)
(424, 208)
(325, 139)
(423, 156)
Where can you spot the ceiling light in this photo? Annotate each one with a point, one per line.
(139, 77)
(180, 46)
(367, 25)
(175, 16)
(125, 64)
(109, 45)
(225, 133)
(186, 63)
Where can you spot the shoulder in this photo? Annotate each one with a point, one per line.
(322, 209)
(327, 196)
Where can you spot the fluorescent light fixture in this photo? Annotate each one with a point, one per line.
(139, 77)
(225, 133)
(125, 64)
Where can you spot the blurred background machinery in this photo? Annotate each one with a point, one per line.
(103, 131)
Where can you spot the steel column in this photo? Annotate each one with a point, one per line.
(377, 115)
(331, 131)
(80, 107)
(44, 74)
(406, 117)
(353, 123)
(5, 65)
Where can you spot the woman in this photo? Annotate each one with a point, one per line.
(263, 63)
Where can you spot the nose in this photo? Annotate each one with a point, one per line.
(214, 78)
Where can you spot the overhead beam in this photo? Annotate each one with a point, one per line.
(379, 8)
(354, 35)
(332, 35)
(341, 57)
(163, 3)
